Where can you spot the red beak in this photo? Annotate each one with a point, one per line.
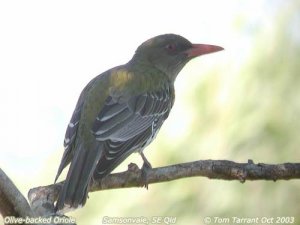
(202, 49)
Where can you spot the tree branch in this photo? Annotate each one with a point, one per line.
(213, 169)
(12, 202)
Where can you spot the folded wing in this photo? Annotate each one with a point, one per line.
(129, 126)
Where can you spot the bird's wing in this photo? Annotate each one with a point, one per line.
(126, 127)
(116, 151)
(71, 131)
(121, 121)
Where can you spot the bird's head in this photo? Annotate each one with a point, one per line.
(169, 53)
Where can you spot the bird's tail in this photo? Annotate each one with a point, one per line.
(75, 187)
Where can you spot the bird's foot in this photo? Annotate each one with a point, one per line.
(145, 170)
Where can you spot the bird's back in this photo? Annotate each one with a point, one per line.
(118, 112)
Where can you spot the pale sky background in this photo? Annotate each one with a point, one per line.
(50, 50)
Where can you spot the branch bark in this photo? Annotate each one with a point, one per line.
(13, 203)
(213, 169)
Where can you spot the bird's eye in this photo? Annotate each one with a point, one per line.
(171, 47)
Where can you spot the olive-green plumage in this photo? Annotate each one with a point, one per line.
(120, 112)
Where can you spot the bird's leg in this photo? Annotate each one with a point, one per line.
(145, 169)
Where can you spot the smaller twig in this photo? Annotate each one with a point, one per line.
(42, 198)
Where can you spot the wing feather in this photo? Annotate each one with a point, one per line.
(122, 121)
(116, 151)
(71, 131)
(125, 127)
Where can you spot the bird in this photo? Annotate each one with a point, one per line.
(120, 112)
